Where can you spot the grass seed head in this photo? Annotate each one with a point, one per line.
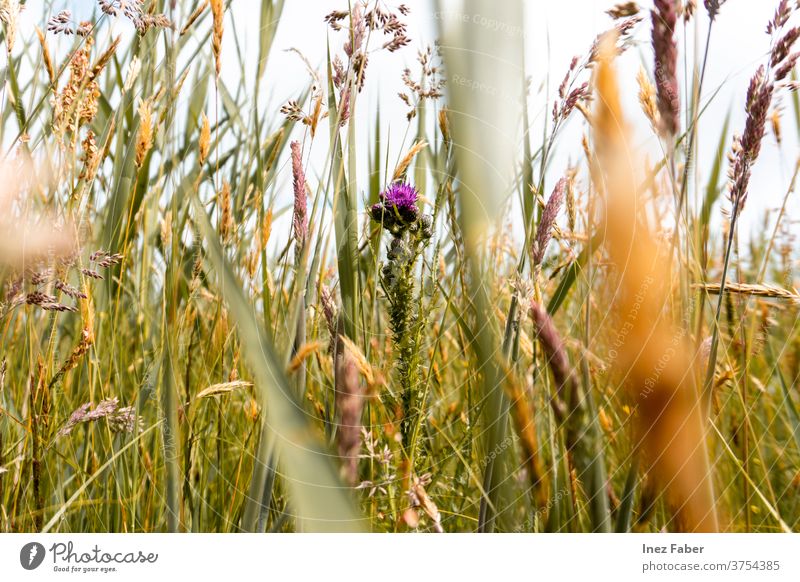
(217, 12)
(665, 48)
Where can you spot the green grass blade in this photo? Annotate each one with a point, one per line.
(322, 502)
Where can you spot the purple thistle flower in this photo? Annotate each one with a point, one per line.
(402, 196)
(397, 206)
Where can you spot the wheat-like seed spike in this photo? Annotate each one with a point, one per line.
(401, 168)
(216, 37)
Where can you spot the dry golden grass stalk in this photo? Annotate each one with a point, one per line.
(420, 499)
(194, 16)
(144, 137)
(48, 60)
(104, 58)
(9, 16)
(222, 388)
(349, 405)
(444, 125)
(775, 123)
(758, 290)
(77, 102)
(401, 168)
(266, 230)
(360, 360)
(225, 212)
(305, 351)
(204, 144)
(523, 419)
(656, 359)
(131, 73)
(166, 229)
(86, 342)
(647, 98)
(217, 10)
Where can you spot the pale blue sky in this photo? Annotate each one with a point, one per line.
(555, 31)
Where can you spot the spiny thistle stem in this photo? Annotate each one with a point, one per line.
(398, 213)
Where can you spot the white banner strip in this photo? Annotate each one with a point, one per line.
(462, 557)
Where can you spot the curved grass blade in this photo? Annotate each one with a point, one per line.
(322, 502)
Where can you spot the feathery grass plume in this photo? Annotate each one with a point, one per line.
(125, 420)
(217, 10)
(544, 231)
(120, 419)
(349, 403)
(570, 93)
(300, 208)
(781, 17)
(759, 99)
(712, 7)
(204, 143)
(623, 10)
(358, 30)
(746, 150)
(783, 45)
(300, 230)
(47, 302)
(144, 136)
(427, 86)
(748, 146)
(671, 431)
(85, 343)
(61, 23)
(664, 16)
(134, 11)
